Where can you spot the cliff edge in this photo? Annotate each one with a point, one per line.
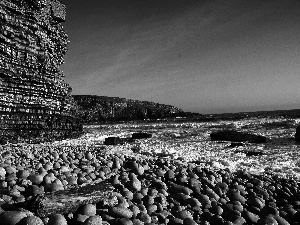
(35, 102)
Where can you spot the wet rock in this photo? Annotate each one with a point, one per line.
(237, 144)
(217, 210)
(297, 135)
(12, 217)
(280, 220)
(134, 184)
(255, 201)
(33, 190)
(267, 220)
(93, 220)
(184, 214)
(236, 136)
(181, 198)
(189, 221)
(176, 188)
(31, 220)
(175, 221)
(268, 210)
(238, 220)
(36, 179)
(113, 141)
(79, 218)
(87, 209)
(169, 175)
(137, 222)
(141, 135)
(120, 212)
(144, 217)
(204, 200)
(250, 217)
(57, 219)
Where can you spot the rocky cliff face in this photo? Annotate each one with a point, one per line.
(35, 102)
(93, 108)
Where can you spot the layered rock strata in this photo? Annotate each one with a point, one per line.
(35, 102)
(92, 108)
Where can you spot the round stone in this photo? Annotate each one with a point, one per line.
(93, 220)
(57, 219)
(87, 209)
(31, 220)
(270, 220)
(2, 172)
(10, 169)
(12, 217)
(23, 174)
(36, 179)
(120, 212)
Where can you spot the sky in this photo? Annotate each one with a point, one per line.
(204, 56)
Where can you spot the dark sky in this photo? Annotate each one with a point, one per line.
(206, 56)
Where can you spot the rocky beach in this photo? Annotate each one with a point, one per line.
(148, 163)
(175, 176)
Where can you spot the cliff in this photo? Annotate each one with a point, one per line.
(35, 102)
(92, 108)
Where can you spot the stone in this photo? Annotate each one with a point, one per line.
(184, 214)
(120, 212)
(93, 220)
(144, 217)
(57, 219)
(267, 220)
(79, 218)
(134, 183)
(237, 136)
(189, 221)
(297, 134)
(33, 190)
(87, 209)
(31, 220)
(141, 135)
(12, 217)
(36, 179)
(113, 141)
(176, 188)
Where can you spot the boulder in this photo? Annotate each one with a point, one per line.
(237, 136)
(113, 141)
(141, 135)
(297, 135)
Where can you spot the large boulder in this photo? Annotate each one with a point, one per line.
(237, 136)
(141, 135)
(297, 135)
(113, 141)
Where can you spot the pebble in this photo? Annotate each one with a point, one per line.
(144, 217)
(120, 212)
(134, 183)
(31, 220)
(36, 178)
(93, 220)
(87, 209)
(267, 220)
(57, 219)
(184, 214)
(12, 217)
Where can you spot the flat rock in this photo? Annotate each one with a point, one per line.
(237, 136)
